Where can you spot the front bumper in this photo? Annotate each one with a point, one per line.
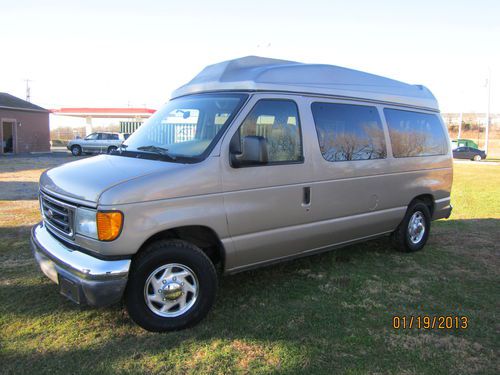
(82, 278)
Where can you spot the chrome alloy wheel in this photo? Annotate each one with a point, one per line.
(171, 290)
(416, 227)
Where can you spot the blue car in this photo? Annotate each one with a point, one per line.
(470, 153)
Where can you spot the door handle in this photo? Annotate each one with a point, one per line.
(306, 196)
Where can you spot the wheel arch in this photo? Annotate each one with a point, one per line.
(199, 235)
(427, 199)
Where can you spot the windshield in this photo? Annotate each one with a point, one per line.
(186, 127)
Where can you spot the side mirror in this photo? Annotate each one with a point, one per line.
(253, 152)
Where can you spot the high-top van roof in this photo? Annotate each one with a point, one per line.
(253, 73)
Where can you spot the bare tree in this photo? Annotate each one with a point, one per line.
(405, 143)
(353, 146)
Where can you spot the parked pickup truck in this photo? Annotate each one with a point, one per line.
(96, 142)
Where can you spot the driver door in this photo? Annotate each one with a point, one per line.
(89, 143)
(102, 142)
(268, 205)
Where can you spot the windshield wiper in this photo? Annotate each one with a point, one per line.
(157, 150)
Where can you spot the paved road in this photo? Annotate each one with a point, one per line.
(482, 162)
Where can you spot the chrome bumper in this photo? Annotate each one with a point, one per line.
(82, 278)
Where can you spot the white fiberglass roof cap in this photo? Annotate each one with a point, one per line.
(264, 74)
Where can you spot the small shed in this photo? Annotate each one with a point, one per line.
(24, 126)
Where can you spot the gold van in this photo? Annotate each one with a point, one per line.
(252, 162)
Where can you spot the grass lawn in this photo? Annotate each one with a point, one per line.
(330, 313)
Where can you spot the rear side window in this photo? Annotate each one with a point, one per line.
(349, 132)
(278, 122)
(415, 133)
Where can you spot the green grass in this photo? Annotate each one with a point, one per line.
(476, 190)
(329, 313)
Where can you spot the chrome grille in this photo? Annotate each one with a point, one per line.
(57, 215)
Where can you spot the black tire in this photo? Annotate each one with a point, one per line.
(477, 158)
(111, 149)
(156, 255)
(76, 150)
(401, 237)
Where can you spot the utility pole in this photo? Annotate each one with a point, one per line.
(459, 125)
(488, 113)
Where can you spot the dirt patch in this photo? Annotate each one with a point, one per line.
(243, 355)
(14, 190)
(19, 175)
(249, 353)
(18, 214)
(27, 163)
(19, 185)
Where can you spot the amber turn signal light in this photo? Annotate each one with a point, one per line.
(109, 225)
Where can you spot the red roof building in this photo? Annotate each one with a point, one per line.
(136, 115)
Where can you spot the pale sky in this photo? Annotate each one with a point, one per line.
(120, 53)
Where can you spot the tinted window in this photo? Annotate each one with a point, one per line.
(415, 133)
(348, 132)
(278, 122)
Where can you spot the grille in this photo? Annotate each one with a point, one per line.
(57, 215)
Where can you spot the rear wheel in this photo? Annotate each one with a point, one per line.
(172, 286)
(477, 157)
(413, 232)
(76, 150)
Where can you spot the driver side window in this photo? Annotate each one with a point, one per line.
(277, 121)
(91, 137)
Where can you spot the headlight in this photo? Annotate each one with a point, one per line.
(86, 222)
(101, 225)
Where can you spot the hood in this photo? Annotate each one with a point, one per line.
(87, 179)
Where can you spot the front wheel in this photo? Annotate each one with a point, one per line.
(477, 157)
(76, 150)
(172, 286)
(412, 234)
